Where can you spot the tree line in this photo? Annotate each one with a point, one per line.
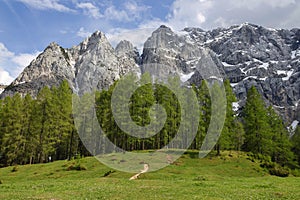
(42, 129)
(38, 130)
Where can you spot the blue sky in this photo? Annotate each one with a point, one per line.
(28, 26)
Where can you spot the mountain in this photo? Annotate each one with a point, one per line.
(246, 54)
(264, 57)
(93, 63)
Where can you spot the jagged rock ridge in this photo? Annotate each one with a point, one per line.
(247, 54)
(92, 64)
(254, 55)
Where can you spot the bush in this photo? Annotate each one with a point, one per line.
(279, 171)
(76, 166)
(296, 172)
(275, 169)
(14, 169)
(267, 165)
(262, 158)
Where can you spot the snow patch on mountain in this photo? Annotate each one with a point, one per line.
(186, 77)
(235, 106)
(288, 75)
(293, 126)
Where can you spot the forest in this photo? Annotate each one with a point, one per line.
(41, 129)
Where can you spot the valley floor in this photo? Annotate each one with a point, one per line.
(223, 177)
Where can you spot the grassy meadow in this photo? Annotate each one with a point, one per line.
(229, 176)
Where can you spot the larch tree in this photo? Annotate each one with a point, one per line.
(257, 129)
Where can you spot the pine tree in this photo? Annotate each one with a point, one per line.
(239, 135)
(65, 124)
(257, 129)
(281, 145)
(141, 102)
(226, 140)
(29, 147)
(13, 138)
(218, 117)
(205, 112)
(44, 125)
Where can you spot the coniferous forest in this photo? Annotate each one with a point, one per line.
(41, 129)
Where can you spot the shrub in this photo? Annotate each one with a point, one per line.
(275, 169)
(14, 169)
(76, 166)
(296, 172)
(279, 171)
(267, 165)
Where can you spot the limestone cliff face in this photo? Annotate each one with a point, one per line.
(167, 53)
(49, 68)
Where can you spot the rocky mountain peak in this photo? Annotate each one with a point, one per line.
(162, 37)
(53, 48)
(248, 55)
(126, 51)
(124, 47)
(94, 41)
(52, 45)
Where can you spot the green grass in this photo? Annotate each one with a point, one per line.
(225, 177)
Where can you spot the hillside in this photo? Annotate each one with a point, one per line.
(223, 177)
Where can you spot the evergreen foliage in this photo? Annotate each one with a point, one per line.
(258, 131)
(42, 129)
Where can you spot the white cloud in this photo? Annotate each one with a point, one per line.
(5, 56)
(11, 64)
(5, 77)
(22, 60)
(130, 11)
(90, 10)
(4, 53)
(221, 22)
(136, 36)
(210, 14)
(47, 5)
(154, 23)
(83, 33)
(257, 3)
(134, 9)
(187, 13)
(113, 14)
(292, 18)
